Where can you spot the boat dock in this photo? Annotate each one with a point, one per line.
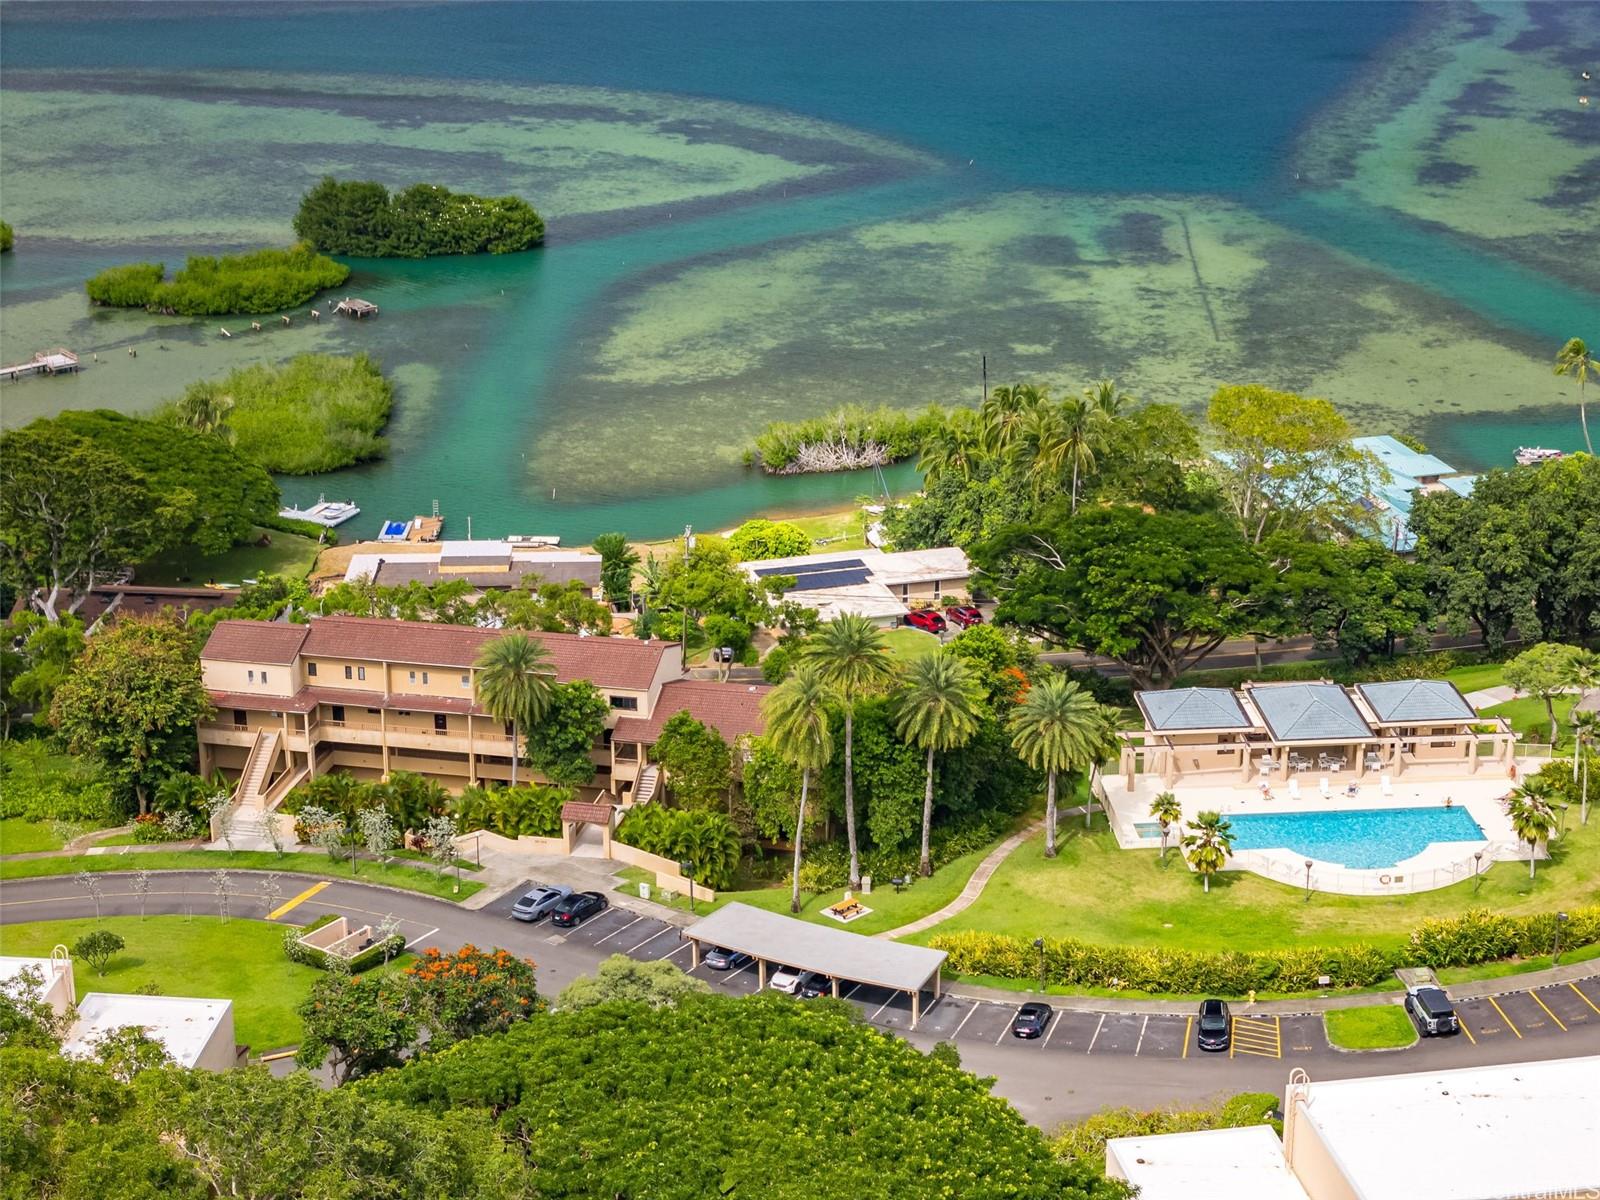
(324, 512)
(354, 306)
(59, 361)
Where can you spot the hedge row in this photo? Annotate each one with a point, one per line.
(1474, 937)
(374, 955)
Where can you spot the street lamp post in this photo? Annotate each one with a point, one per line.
(1308, 881)
(1038, 944)
(1477, 866)
(1555, 957)
(687, 867)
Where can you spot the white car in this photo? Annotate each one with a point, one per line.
(785, 979)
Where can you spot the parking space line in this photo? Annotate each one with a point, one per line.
(1466, 1029)
(892, 997)
(854, 988)
(964, 1021)
(1509, 1024)
(614, 932)
(1001, 1036)
(678, 949)
(1052, 1031)
(1096, 1037)
(1140, 1042)
(1546, 1008)
(1584, 998)
(420, 936)
(730, 977)
(651, 938)
(1188, 1028)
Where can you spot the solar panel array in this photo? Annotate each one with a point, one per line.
(816, 577)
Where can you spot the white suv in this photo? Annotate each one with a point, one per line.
(785, 979)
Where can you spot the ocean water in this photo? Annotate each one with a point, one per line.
(760, 210)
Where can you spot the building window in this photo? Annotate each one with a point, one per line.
(372, 712)
(240, 717)
(440, 723)
(252, 676)
(605, 736)
(311, 669)
(263, 676)
(905, 591)
(338, 713)
(348, 673)
(508, 728)
(361, 672)
(936, 589)
(424, 678)
(411, 676)
(625, 703)
(466, 681)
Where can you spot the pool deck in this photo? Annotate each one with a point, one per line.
(1440, 865)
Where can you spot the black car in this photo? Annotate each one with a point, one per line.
(1215, 1030)
(812, 984)
(1031, 1020)
(577, 907)
(720, 959)
(538, 903)
(1432, 1011)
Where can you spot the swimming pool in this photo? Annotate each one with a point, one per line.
(1363, 839)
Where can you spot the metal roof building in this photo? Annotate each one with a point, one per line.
(1411, 701)
(1193, 708)
(1308, 712)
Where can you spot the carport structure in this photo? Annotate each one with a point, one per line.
(837, 953)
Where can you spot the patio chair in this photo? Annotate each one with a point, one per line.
(1326, 788)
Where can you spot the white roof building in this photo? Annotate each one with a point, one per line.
(877, 584)
(195, 1032)
(1217, 1164)
(53, 976)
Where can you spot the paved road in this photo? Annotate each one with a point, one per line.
(1086, 1060)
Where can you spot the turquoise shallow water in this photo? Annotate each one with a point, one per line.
(1176, 99)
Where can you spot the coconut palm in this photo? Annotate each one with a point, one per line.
(1532, 812)
(955, 447)
(513, 682)
(1574, 361)
(796, 713)
(1105, 396)
(204, 408)
(937, 710)
(1585, 736)
(1057, 728)
(1003, 410)
(1166, 809)
(1209, 842)
(852, 657)
(1082, 432)
(1042, 445)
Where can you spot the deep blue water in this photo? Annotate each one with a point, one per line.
(1361, 840)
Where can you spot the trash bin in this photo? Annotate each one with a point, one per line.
(644, 891)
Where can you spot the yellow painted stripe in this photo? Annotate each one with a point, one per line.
(1462, 1025)
(1233, 1030)
(1584, 998)
(266, 1058)
(1188, 1028)
(1546, 1008)
(296, 901)
(1510, 1024)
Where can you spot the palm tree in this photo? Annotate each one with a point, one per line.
(1585, 735)
(1042, 446)
(513, 682)
(937, 710)
(1532, 813)
(1082, 425)
(1057, 727)
(1003, 410)
(1166, 809)
(852, 657)
(796, 713)
(955, 447)
(1104, 395)
(1209, 842)
(204, 409)
(1574, 361)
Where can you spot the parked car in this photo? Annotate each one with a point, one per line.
(720, 959)
(964, 615)
(573, 910)
(785, 979)
(1031, 1020)
(926, 620)
(1215, 1029)
(813, 984)
(538, 903)
(1432, 1011)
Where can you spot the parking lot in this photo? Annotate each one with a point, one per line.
(1552, 1011)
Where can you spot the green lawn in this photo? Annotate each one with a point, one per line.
(906, 643)
(413, 879)
(241, 960)
(21, 836)
(889, 908)
(289, 554)
(844, 528)
(1532, 723)
(1477, 678)
(1379, 1027)
(1096, 891)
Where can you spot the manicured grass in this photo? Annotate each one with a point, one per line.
(1477, 678)
(289, 554)
(1532, 723)
(21, 836)
(241, 960)
(906, 643)
(889, 908)
(1376, 1028)
(1096, 891)
(843, 529)
(412, 879)
(1516, 966)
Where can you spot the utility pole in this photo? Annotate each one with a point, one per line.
(688, 545)
(984, 369)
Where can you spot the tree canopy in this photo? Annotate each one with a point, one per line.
(697, 761)
(656, 984)
(360, 217)
(261, 281)
(761, 538)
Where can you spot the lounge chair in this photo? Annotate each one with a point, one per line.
(1294, 789)
(1326, 788)
(1387, 786)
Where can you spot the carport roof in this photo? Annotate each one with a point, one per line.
(834, 952)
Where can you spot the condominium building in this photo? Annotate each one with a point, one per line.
(368, 696)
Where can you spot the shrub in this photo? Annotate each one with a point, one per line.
(258, 282)
(708, 839)
(39, 785)
(846, 438)
(827, 865)
(1086, 1141)
(760, 538)
(528, 810)
(361, 217)
(382, 950)
(1480, 935)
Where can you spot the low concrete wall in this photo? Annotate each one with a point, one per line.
(668, 877)
(526, 847)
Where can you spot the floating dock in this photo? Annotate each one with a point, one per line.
(59, 361)
(324, 512)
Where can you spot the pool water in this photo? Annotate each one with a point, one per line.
(1361, 840)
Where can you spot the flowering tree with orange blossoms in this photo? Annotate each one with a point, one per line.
(471, 992)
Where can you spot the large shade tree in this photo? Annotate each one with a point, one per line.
(852, 657)
(1058, 728)
(514, 681)
(796, 713)
(937, 710)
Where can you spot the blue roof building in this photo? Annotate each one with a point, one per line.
(1406, 472)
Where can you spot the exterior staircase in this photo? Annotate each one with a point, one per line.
(257, 794)
(253, 779)
(649, 779)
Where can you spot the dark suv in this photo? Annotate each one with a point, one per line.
(1431, 1009)
(1215, 1029)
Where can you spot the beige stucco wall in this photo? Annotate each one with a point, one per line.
(330, 673)
(430, 681)
(280, 680)
(1310, 1159)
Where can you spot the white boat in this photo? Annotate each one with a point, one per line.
(323, 512)
(532, 539)
(1528, 456)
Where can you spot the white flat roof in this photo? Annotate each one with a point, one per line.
(887, 567)
(183, 1024)
(11, 966)
(1213, 1164)
(1478, 1133)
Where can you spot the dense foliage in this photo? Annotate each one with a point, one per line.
(696, 761)
(40, 785)
(317, 412)
(708, 839)
(846, 438)
(797, 1101)
(762, 538)
(361, 218)
(549, 607)
(655, 984)
(261, 281)
(561, 744)
(8, 237)
(1085, 1141)
(528, 810)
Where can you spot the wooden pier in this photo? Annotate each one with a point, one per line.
(59, 361)
(357, 308)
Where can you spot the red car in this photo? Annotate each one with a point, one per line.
(964, 615)
(926, 620)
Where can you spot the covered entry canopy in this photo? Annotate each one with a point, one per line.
(771, 938)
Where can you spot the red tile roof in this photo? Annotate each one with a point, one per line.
(595, 812)
(732, 709)
(254, 642)
(301, 702)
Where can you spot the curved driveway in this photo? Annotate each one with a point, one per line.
(1089, 1059)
